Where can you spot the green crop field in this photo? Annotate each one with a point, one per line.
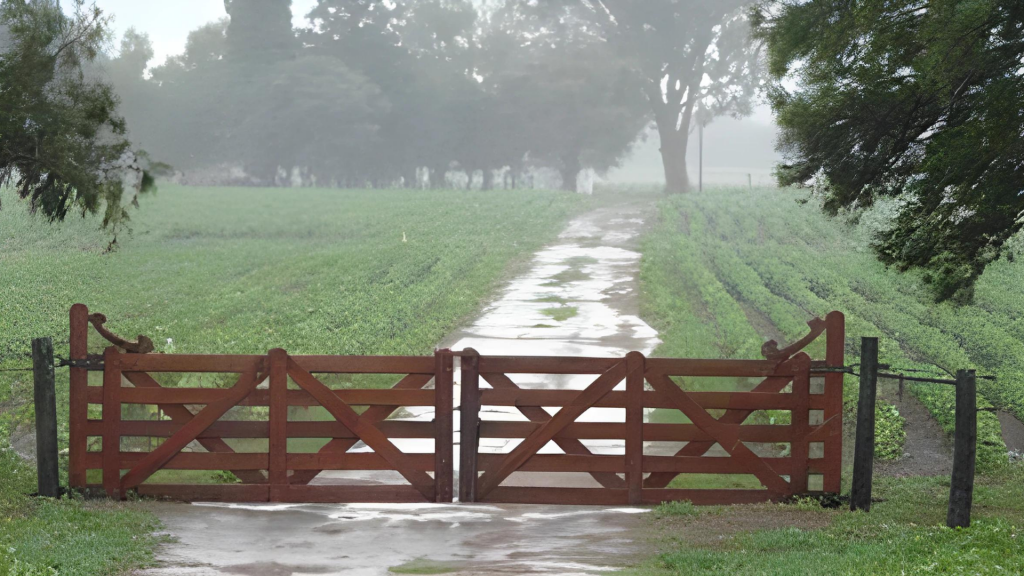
(727, 269)
(241, 271)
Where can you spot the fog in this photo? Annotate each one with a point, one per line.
(440, 93)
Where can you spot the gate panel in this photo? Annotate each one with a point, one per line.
(263, 381)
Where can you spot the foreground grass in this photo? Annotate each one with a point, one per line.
(904, 534)
(727, 269)
(41, 537)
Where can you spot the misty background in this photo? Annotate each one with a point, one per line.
(155, 62)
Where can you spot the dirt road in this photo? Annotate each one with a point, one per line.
(579, 297)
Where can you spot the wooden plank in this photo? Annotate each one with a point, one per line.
(708, 400)
(722, 368)
(835, 346)
(255, 429)
(493, 476)
(726, 435)
(246, 383)
(722, 465)
(180, 415)
(278, 416)
(651, 433)
(769, 385)
(78, 404)
(353, 494)
(546, 364)
(205, 492)
(800, 423)
(366, 431)
(469, 431)
(634, 425)
(444, 394)
(356, 461)
(187, 362)
(539, 416)
(587, 463)
(366, 364)
(709, 497)
(190, 461)
(374, 415)
(357, 397)
(111, 423)
(556, 496)
(749, 401)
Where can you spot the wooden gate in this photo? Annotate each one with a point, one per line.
(204, 427)
(634, 476)
(192, 417)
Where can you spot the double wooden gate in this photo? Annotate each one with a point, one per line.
(247, 428)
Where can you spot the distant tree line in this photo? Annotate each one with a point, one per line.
(404, 92)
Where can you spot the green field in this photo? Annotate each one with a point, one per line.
(243, 271)
(725, 270)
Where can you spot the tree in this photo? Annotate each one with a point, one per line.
(918, 101)
(685, 52)
(62, 141)
(259, 31)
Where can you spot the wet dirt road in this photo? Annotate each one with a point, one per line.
(367, 540)
(579, 297)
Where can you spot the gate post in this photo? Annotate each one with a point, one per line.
(835, 345)
(864, 450)
(78, 405)
(46, 418)
(277, 360)
(635, 367)
(112, 423)
(469, 425)
(444, 434)
(965, 445)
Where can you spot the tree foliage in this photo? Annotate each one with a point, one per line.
(383, 93)
(689, 57)
(62, 141)
(917, 100)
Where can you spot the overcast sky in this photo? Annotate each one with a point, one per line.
(169, 22)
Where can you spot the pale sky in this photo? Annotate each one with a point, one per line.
(169, 22)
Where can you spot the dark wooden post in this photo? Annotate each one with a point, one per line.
(864, 449)
(965, 445)
(469, 423)
(46, 417)
(444, 435)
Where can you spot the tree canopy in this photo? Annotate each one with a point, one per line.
(63, 144)
(918, 101)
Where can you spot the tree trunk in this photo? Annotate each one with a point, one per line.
(570, 170)
(488, 183)
(673, 158)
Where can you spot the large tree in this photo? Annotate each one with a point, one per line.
(689, 54)
(62, 141)
(921, 101)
